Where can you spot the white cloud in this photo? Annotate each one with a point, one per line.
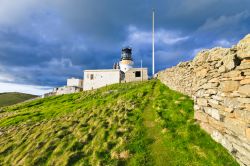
(15, 10)
(138, 37)
(224, 21)
(30, 89)
(223, 43)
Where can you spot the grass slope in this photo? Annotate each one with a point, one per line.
(127, 124)
(11, 98)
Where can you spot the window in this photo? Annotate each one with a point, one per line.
(91, 76)
(138, 74)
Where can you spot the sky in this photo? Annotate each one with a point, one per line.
(42, 43)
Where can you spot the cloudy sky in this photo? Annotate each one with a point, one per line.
(44, 42)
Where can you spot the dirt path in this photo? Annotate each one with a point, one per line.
(157, 149)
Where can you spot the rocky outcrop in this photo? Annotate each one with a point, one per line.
(219, 82)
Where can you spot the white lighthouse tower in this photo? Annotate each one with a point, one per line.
(126, 61)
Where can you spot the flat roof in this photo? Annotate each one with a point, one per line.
(103, 70)
(106, 70)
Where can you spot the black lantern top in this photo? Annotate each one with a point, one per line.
(126, 54)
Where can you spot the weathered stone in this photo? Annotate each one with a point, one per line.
(214, 80)
(213, 112)
(243, 66)
(211, 91)
(217, 97)
(230, 110)
(229, 86)
(245, 89)
(245, 81)
(218, 137)
(211, 101)
(207, 127)
(244, 100)
(210, 85)
(231, 103)
(248, 133)
(202, 73)
(222, 69)
(229, 61)
(201, 116)
(202, 102)
(234, 73)
(243, 48)
(242, 115)
(235, 125)
(247, 107)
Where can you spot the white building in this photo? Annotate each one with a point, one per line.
(94, 79)
(75, 82)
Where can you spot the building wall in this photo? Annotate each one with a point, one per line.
(130, 75)
(66, 90)
(219, 82)
(94, 79)
(75, 82)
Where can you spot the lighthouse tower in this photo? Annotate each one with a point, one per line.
(126, 61)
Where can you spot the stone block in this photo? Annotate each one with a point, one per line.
(212, 101)
(214, 80)
(247, 107)
(233, 73)
(218, 137)
(245, 81)
(207, 127)
(222, 69)
(218, 125)
(201, 116)
(231, 103)
(245, 89)
(213, 113)
(243, 115)
(243, 66)
(202, 73)
(235, 125)
(248, 133)
(229, 86)
(244, 100)
(217, 97)
(202, 101)
(229, 61)
(211, 91)
(210, 85)
(243, 48)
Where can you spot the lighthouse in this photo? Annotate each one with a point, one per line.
(126, 61)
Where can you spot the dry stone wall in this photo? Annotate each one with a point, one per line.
(219, 82)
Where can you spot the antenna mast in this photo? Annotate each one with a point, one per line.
(153, 43)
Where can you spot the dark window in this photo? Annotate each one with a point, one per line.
(137, 74)
(91, 76)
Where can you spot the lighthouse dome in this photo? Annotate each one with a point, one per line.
(126, 61)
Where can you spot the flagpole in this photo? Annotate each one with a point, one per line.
(153, 43)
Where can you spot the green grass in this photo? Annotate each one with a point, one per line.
(11, 98)
(124, 124)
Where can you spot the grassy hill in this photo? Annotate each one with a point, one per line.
(14, 98)
(128, 124)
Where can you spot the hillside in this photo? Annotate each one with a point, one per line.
(14, 98)
(127, 124)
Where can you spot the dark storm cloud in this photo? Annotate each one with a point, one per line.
(45, 42)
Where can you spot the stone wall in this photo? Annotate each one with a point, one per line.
(219, 82)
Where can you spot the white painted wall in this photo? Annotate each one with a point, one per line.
(100, 78)
(74, 82)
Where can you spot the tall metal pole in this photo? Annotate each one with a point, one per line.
(141, 71)
(153, 43)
